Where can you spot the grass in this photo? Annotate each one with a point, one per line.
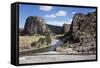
(25, 41)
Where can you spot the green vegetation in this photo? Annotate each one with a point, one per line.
(44, 41)
(41, 40)
(48, 39)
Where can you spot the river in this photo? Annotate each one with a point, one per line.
(54, 44)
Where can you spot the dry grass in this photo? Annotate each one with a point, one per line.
(25, 41)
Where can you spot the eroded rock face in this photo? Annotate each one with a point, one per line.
(83, 25)
(82, 34)
(35, 25)
(66, 27)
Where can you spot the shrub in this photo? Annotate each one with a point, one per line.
(48, 39)
(33, 44)
(41, 40)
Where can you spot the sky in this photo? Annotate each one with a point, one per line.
(54, 15)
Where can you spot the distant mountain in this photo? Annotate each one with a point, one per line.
(56, 29)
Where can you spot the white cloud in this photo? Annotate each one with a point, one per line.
(61, 13)
(74, 12)
(46, 8)
(50, 16)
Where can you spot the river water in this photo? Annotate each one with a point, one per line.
(54, 44)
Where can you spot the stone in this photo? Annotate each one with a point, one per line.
(35, 25)
(38, 25)
(83, 25)
(66, 27)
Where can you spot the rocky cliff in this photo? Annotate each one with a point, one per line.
(81, 37)
(35, 25)
(66, 27)
(82, 29)
(83, 25)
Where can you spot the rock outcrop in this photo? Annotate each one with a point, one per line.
(82, 31)
(83, 25)
(35, 25)
(66, 27)
(82, 34)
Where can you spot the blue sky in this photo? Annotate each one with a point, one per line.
(53, 15)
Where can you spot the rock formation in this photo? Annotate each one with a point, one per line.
(35, 25)
(82, 34)
(82, 31)
(83, 25)
(66, 27)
